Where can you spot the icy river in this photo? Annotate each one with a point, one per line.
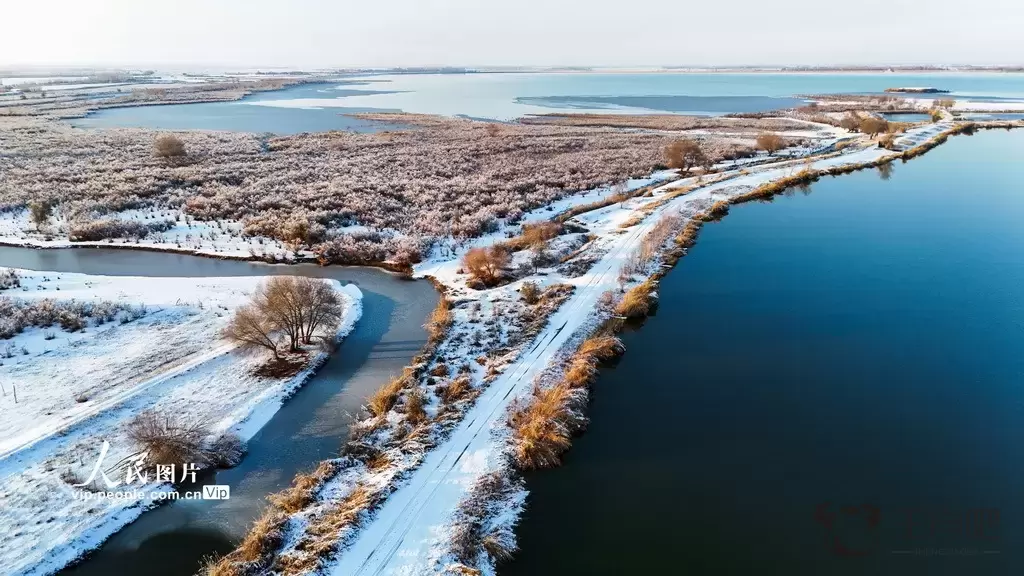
(173, 539)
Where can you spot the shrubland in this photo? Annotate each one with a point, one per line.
(444, 177)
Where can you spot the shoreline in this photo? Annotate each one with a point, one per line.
(376, 508)
(670, 257)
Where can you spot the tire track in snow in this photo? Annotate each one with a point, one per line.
(407, 504)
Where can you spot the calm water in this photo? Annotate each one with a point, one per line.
(172, 540)
(507, 96)
(908, 117)
(279, 112)
(851, 356)
(996, 116)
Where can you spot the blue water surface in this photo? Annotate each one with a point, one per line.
(245, 116)
(832, 385)
(506, 96)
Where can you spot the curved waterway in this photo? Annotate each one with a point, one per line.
(832, 385)
(173, 539)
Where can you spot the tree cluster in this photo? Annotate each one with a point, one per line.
(289, 309)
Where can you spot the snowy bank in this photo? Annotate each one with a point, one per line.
(76, 389)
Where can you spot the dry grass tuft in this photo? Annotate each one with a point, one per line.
(542, 428)
(439, 322)
(320, 540)
(303, 489)
(459, 389)
(602, 347)
(580, 373)
(254, 554)
(414, 402)
(534, 235)
(637, 302)
(386, 396)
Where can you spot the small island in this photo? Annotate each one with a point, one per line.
(923, 90)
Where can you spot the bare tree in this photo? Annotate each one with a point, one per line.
(278, 301)
(252, 330)
(685, 154)
(286, 305)
(770, 142)
(323, 307)
(169, 147)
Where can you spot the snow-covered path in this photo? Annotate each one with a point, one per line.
(404, 534)
(399, 538)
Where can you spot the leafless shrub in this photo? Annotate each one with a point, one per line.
(770, 142)
(171, 439)
(851, 121)
(95, 230)
(486, 264)
(39, 212)
(9, 279)
(17, 314)
(872, 125)
(529, 292)
(674, 122)
(169, 147)
(685, 154)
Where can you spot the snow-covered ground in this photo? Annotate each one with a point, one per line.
(966, 105)
(64, 393)
(409, 534)
(221, 238)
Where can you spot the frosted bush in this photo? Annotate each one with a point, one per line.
(72, 315)
(446, 177)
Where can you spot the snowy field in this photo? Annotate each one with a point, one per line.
(64, 392)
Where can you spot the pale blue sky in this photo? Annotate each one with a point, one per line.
(323, 33)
